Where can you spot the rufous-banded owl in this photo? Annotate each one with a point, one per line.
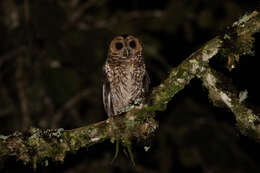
(125, 80)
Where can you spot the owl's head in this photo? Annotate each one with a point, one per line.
(125, 46)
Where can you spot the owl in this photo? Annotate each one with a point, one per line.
(125, 79)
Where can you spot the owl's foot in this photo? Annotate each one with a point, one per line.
(125, 109)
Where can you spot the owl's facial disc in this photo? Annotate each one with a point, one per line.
(125, 47)
(118, 45)
(132, 44)
(125, 53)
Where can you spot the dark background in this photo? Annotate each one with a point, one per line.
(51, 56)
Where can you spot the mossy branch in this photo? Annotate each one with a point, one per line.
(247, 122)
(41, 145)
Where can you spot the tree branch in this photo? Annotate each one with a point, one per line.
(247, 122)
(37, 146)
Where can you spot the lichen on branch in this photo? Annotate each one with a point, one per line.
(247, 121)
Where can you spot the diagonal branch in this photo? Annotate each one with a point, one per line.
(247, 121)
(40, 145)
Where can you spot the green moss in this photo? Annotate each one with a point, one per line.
(2, 137)
(245, 119)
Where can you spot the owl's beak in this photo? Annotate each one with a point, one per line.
(126, 52)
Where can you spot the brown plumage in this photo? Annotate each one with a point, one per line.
(125, 80)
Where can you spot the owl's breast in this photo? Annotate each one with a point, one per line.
(127, 84)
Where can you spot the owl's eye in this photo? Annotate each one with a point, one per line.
(119, 45)
(132, 44)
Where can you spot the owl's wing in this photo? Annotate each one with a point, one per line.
(107, 101)
(146, 82)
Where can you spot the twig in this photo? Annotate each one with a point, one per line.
(68, 105)
(21, 89)
(11, 55)
(91, 22)
(78, 13)
(8, 108)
